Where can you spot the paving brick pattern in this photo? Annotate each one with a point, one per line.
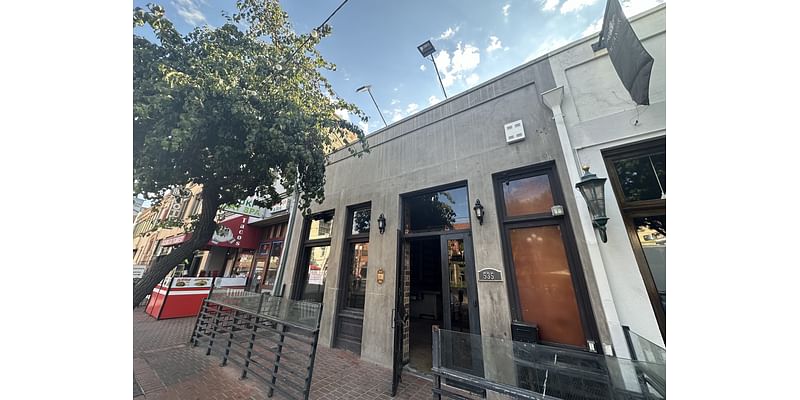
(167, 367)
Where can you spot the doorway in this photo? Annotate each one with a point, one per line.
(441, 292)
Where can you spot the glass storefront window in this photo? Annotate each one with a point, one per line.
(320, 227)
(357, 279)
(242, 267)
(643, 178)
(652, 234)
(544, 282)
(526, 196)
(317, 269)
(437, 211)
(272, 268)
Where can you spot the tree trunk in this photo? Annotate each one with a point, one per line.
(203, 232)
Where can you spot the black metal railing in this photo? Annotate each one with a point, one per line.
(272, 339)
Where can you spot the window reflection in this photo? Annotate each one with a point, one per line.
(357, 279)
(528, 196)
(320, 227)
(443, 210)
(652, 234)
(314, 284)
(360, 222)
(643, 178)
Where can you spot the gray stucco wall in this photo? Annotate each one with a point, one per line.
(461, 139)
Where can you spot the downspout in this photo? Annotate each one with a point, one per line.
(552, 98)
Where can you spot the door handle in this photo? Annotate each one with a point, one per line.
(394, 317)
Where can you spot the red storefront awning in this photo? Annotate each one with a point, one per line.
(235, 232)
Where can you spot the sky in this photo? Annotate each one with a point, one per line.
(375, 42)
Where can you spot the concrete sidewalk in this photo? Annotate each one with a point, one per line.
(165, 366)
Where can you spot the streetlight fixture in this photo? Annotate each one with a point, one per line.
(592, 189)
(368, 89)
(427, 49)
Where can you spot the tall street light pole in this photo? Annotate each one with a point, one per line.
(427, 49)
(368, 89)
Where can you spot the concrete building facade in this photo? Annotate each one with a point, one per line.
(468, 149)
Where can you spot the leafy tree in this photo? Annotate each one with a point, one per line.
(233, 109)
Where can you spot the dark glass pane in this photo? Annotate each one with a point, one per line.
(544, 283)
(258, 272)
(444, 210)
(243, 264)
(527, 196)
(638, 179)
(459, 299)
(652, 233)
(314, 282)
(321, 227)
(360, 222)
(356, 280)
(272, 268)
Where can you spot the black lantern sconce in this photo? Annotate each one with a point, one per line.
(592, 189)
(478, 211)
(382, 224)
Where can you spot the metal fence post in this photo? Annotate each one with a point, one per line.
(254, 326)
(203, 308)
(436, 362)
(230, 338)
(277, 360)
(215, 326)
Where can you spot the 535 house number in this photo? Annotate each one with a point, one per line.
(490, 274)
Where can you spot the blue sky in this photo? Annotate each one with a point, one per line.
(375, 41)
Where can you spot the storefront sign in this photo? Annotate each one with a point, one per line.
(235, 232)
(171, 241)
(490, 275)
(247, 207)
(138, 271)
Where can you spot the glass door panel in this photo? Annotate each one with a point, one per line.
(314, 282)
(457, 286)
(544, 284)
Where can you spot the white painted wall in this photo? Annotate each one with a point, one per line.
(599, 114)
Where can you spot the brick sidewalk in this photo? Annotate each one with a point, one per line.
(167, 367)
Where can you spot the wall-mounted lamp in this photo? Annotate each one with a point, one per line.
(382, 224)
(478, 211)
(592, 189)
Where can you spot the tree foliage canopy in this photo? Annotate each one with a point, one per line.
(236, 107)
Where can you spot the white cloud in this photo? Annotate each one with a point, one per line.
(547, 45)
(465, 58)
(633, 7)
(411, 108)
(364, 126)
(472, 79)
(494, 45)
(505, 9)
(575, 5)
(450, 32)
(550, 5)
(343, 114)
(433, 100)
(593, 28)
(190, 11)
(394, 101)
(397, 115)
(422, 67)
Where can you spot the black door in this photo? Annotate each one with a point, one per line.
(399, 318)
(461, 349)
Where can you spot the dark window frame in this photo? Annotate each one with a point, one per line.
(301, 269)
(640, 208)
(506, 224)
(349, 241)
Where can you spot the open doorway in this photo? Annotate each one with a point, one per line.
(425, 300)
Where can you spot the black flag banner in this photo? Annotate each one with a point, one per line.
(630, 59)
